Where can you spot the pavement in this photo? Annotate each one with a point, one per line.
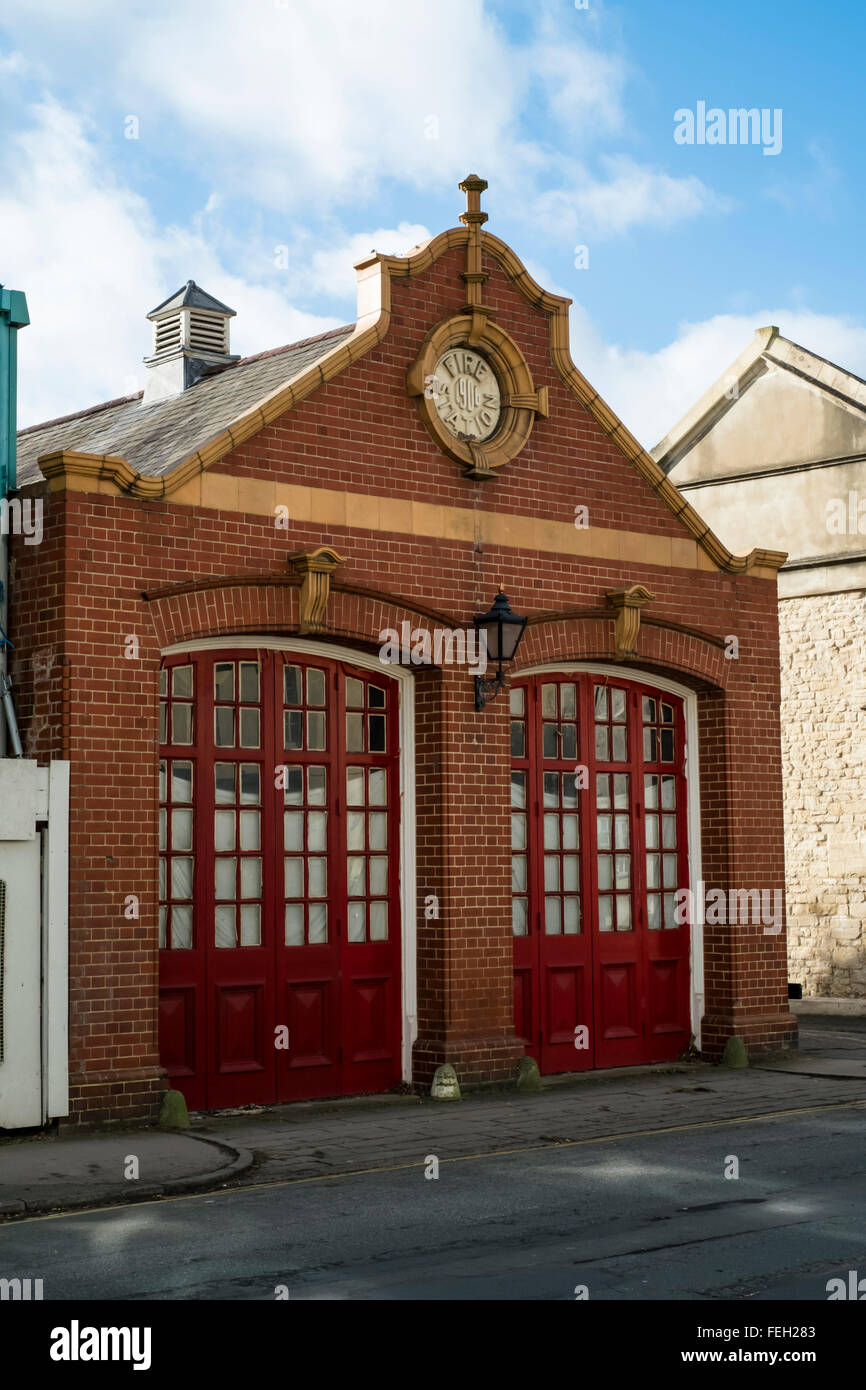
(56, 1173)
(306, 1140)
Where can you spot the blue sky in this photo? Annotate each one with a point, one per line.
(280, 140)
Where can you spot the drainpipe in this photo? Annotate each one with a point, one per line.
(13, 315)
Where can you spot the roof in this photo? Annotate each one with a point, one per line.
(768, 350)
(191, 296)
(154, 437)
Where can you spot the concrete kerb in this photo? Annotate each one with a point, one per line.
(822, 1004)
(241, 1160)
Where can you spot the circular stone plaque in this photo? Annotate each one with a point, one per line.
(466, 394)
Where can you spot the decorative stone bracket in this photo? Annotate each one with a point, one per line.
(626, 604)
(316, 567)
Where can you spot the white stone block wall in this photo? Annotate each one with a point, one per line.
(823, 660)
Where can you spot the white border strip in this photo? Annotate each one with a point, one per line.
(54, 808)
(692, 771)
(406, 688)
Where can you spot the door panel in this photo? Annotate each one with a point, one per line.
(599, 848)
(279, 878)
(177, 1030)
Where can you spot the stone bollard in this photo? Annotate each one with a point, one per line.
(173, 1113)
(528, 1075)
(736, 1053)
(445, 1084)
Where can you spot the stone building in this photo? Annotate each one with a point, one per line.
(775, 454)
(306, 864)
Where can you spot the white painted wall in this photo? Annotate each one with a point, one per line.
(34, 866)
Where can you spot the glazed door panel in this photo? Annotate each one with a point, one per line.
(280, 937)
(235, 898)
(552, 955)
(308, 885)
(600, 962)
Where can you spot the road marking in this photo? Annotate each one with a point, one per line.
(459, 1158)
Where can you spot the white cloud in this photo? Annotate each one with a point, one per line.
(579, 84)
(331, 272)
(651, 391)
(630, 195)
(13, 65)
(303, 105)
(93, 260)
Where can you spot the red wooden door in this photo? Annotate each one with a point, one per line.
(553, 966)
(279, 909)
(599, 849)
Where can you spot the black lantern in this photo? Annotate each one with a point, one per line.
(503, 631)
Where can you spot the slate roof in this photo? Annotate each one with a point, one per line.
(153, 438)
(192, 296)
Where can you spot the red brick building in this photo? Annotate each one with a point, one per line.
(298, 870)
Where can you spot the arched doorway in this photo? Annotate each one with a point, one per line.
(279, 899)
(599, 850)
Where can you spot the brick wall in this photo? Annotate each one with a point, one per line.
(103, 553)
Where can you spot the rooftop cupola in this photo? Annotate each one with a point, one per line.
(190, 334)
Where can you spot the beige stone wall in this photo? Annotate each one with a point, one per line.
(823, 646)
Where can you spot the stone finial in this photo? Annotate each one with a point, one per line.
(473, 218)
(473, 187)
(316, 568)
(626, 604)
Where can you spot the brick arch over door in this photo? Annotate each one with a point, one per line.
(270, 606)
(688, 656)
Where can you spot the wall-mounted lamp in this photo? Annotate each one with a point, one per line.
(503, 631)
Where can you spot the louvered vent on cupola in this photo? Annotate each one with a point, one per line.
(190, 336)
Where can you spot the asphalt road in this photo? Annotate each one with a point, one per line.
(641, 1218)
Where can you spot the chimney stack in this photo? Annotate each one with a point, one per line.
(190, 334)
